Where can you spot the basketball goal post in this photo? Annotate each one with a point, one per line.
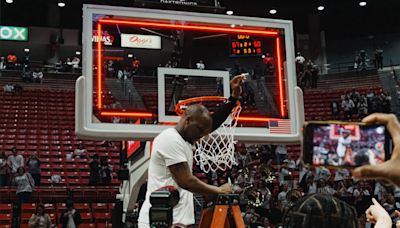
(86, 126)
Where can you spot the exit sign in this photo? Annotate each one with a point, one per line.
(13, 33)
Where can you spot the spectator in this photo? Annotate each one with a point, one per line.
(239, 189)
(357, 60)
(301, 81)
(120, 74)
(314, 77)
(308, 185)
(126, 74)
(307, 77)
(3, 63)
(310, 65)
(281, 153)
(68, 65)
(110, 69)
(34, 168)
(59, 66)
(378, 58)
(265, 223)
(244, 158)
(249, 99)
(269, 64)
(299, 62)
(94, 177)
(355, 93)
(341, 175)
(200, 65)
(387, 95)
(375, 107)
(220, 86)
(169, 65)
(17, 88)
(16, 161)
(323, 188)
(257, 74)
(25, 185)
(117, 67)
(37, 76)
(363, 108)
(249, 216)
(347, 106)
(322, 173)
(105, 172)
(345, 188)
(320, 211)
(284, 174)
(75, 65)
(11, 58)
(385, 105)
(5, 169)
(335, 110)
(40, 219)
(291, 162)
(264, 208)
(231, 175)
(81, 152)
(136, 65)
(283, 203)
(237, 67)
(8, 88)
(70, 217)
(26, 76)
(358, 193)
(388, 202)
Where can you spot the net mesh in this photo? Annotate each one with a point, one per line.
(216, 151)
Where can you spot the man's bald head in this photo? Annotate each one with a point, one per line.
(195, 123)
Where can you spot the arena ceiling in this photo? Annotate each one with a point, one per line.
(340, 19)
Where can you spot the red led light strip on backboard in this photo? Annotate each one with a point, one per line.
(126, 114)
(195, 28)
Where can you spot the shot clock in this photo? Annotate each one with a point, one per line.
(245, 45)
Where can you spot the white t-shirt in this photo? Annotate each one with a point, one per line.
(200, 66)
(322, 173)
(291, 164)
(282, 198)
(326, 190)
(341, 146)
(341, 174)
(343, 193)
(356, 193)
(169, 148)
(312, 189)
(347, 105)
(281, 150)
(281, 174)
(300, 59)
(71, 221)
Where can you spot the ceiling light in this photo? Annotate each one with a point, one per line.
(130, 55)
(9, 1)
(273, 11)
(233, 25)
(229, 12)
(77, 53)
(61, 4)
(320, 8)
(363, 3)
(26, 50)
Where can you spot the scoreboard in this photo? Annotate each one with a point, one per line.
(245, 45)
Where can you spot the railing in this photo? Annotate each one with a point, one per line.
(271, 111)
(346, 66)
(393, 71)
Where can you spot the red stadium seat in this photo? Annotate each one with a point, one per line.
(28, 208)
(102, 217)
(7, 208)
(87, 218)
(99, 208)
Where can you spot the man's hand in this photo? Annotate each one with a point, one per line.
(236, 85)
(376, 213)
(66, 215)
(389, 171)
(226, 189)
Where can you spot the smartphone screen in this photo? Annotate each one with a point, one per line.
(346, 145)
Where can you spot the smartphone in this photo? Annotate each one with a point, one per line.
(336, 145)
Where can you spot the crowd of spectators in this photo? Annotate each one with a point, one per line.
(290, 174)
(354, 103)
(306, 72)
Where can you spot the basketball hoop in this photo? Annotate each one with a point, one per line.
(217, 149)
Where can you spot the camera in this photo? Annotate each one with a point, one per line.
(163, 200)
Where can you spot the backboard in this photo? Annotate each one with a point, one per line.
(139, 63)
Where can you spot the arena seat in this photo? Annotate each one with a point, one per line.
(6, 208)
(87, 218)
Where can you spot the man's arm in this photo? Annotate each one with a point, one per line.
(185, 179)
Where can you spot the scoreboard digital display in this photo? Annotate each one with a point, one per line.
(245, 45)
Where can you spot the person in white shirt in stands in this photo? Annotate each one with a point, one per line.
(322, 173)
(16, 160)
(345, 188)
(344, 143)
(283, 173)
(340, 175)
(75, 64)
(291, 163)
(347, 105)
(200, 65)
(37, 76)
(323, 188)
(172, 158)
(238, 188)
(8, 88)
(283, 203)
(3, 63)
(358, 193)
(281, 153)
(300, 62)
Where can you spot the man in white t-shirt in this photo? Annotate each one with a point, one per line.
(341, 174)
(343, 143)
(347, 105)
(282, 200)
(300, 62)
(172, 158)
(200, 65)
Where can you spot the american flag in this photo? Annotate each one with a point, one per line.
(279, 126)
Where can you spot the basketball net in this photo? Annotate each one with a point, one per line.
(216, 151)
